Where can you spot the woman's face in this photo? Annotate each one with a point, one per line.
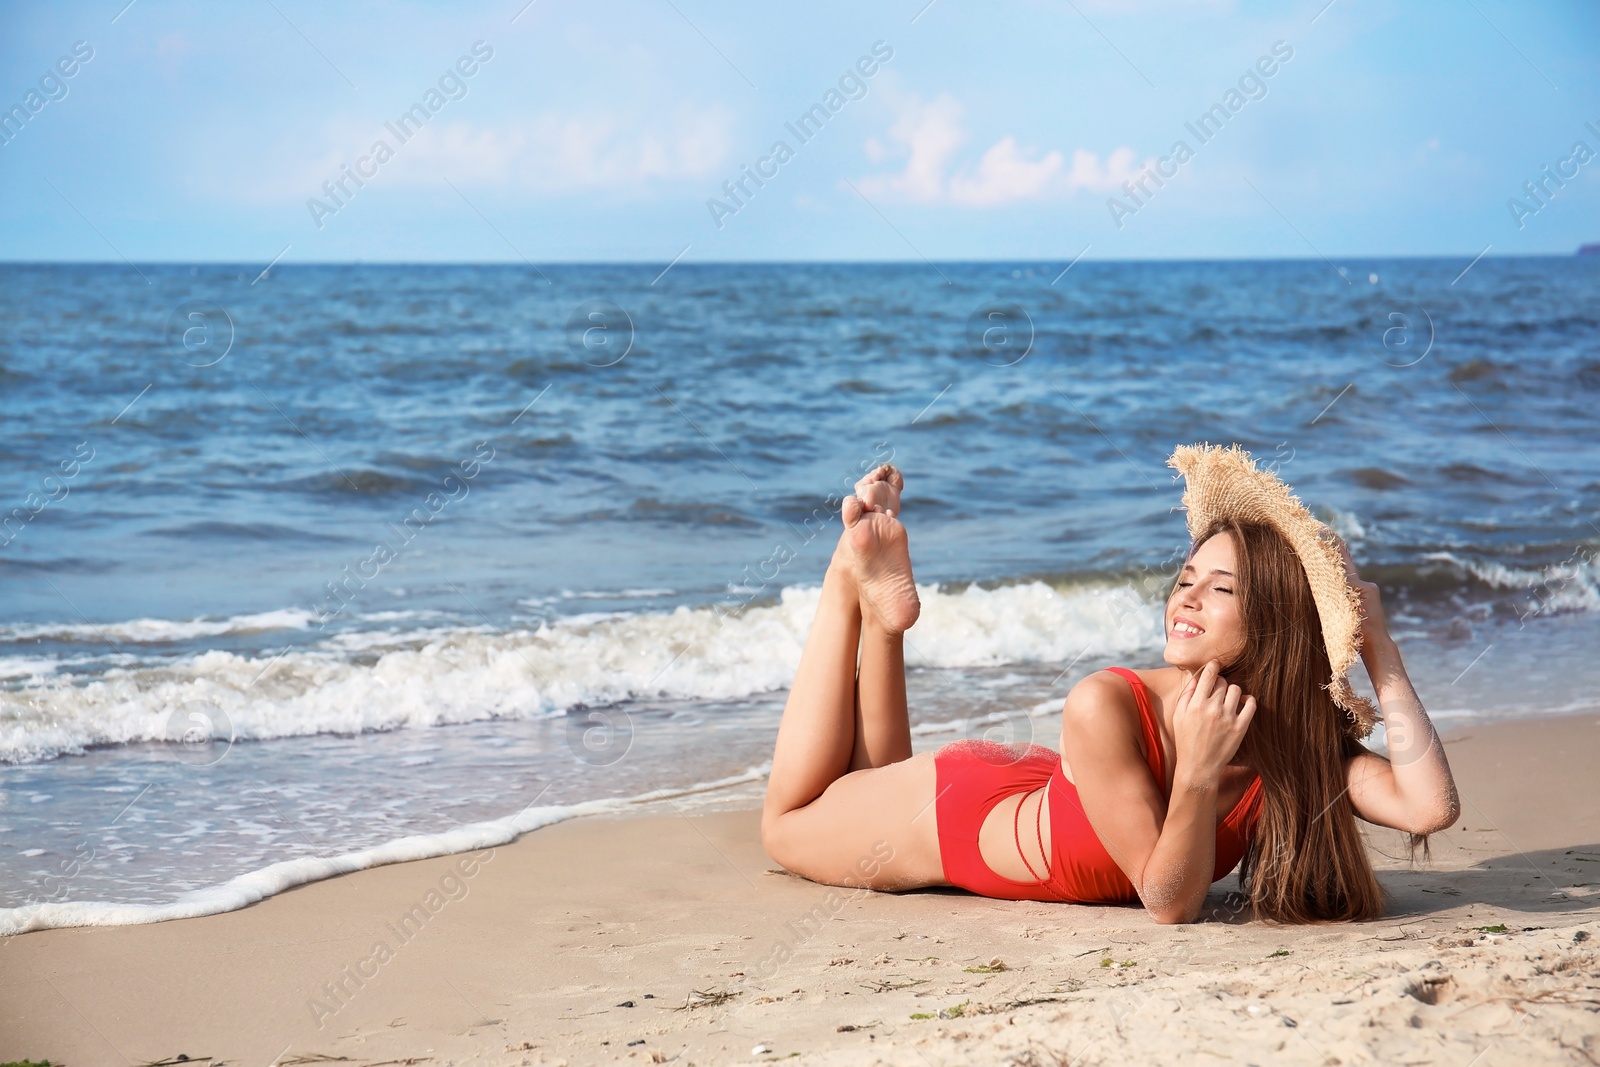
(1203, 617)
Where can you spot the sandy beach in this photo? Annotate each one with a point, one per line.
(673, 938)
(444, 431)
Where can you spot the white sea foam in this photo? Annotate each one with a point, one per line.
(597, 594)
(454, 675)
(1347, 524)
(1572, 585)
(157, 631)
(27, 667)
(247, 889)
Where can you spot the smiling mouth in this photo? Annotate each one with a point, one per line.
(1185, 629)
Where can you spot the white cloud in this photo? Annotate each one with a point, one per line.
(1004, 175)
(929, 137)
(1088, 174)
(562, 152)
(548, 152)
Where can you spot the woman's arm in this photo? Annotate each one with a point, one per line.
(1413, 790)
(1167, 848)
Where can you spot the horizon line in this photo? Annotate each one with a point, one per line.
(1577, 253)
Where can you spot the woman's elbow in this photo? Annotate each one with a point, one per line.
(1441, 817)
(1429, 814)
(1167, 903)
(1173, 916)
(1173, 912)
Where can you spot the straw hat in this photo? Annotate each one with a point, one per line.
(1225, 483)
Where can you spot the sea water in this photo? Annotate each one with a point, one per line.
(349, 564)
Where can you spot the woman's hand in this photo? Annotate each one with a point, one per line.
(1374, 626)
(1209, 723)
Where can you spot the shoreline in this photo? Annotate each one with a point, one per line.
(255, 886)
(531, 957)
(742, 790)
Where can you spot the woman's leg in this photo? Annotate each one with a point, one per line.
(882, 721)
(845, 803)
(817, 734)
(847, 707)
(883, 724)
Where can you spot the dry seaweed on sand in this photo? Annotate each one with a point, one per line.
(706, 998)
(967, 1008)
(883, 986)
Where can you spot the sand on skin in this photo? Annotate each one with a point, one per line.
(559, 929)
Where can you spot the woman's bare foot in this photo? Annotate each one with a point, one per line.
(876, 491)
(875, 556)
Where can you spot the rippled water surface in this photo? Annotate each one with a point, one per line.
(430, 544)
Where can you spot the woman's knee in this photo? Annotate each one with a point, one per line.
(776, 837)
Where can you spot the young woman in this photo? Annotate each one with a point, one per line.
(1241, 751)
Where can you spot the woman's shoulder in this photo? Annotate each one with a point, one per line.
(1105, 695)
(1099, 684)
(1102, 718)
(1108, 699)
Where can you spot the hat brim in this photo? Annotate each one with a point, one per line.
(1224, 482)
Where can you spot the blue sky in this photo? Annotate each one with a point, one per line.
(600, 131)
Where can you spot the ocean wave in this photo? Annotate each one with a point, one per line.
(159, 631)
(234, 531)
(456, 674)
(357, 482)
(1347, 524)
(27, 667)
(1572, 585)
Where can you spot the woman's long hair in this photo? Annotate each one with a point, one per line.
(1306, 861)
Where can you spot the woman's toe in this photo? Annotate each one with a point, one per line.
(884, 475)
(879, 496)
